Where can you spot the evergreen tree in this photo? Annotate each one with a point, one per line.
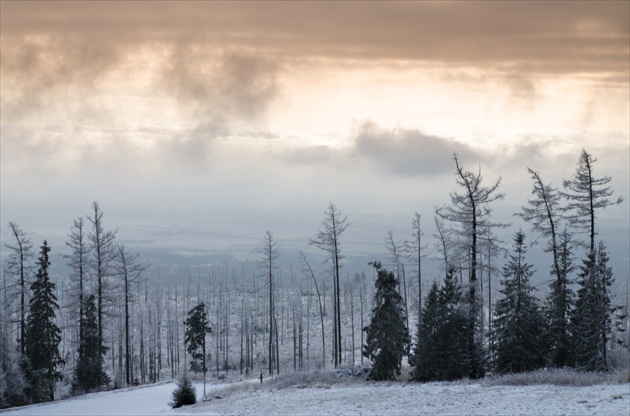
(185, 393)
(453, 333)
(471, 213)
(15, 385)
(88, 373)
(593, 315)
(195, 338)
(425, 358)
(43, 336)
(517, 340)
(441, 350)
(387, 335)
(558, 307)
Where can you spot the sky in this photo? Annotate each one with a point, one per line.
(200, 125)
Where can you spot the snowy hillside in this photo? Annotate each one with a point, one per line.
(352, 398)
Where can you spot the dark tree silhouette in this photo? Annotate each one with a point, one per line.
(387, 335)
(43, 336)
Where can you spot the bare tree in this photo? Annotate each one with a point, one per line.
(103, 253)
(309, 271)
(18, 264)
(78, 263)
(544, 213)
(394, 254)
(585, 195)
(471, 211)
(268, 264)
(443, 241)
(335, 223)
(414, 249)
(130, 272)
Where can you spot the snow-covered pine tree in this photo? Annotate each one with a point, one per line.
(387, 335)
(89, 373)
(518, 321)
(43, 336)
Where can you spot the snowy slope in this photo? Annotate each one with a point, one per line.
(361, 398)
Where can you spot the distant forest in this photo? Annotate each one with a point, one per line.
(111, 322)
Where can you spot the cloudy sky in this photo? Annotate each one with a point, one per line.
(203, 124)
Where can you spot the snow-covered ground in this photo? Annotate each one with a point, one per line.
(354, 398)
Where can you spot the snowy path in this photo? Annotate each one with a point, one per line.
(357, 399)
(149, 400)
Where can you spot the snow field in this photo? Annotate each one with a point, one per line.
(352, 398)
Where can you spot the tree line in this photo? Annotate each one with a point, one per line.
(117, 327)
(567, 329)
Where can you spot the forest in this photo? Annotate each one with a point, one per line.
(112, 322)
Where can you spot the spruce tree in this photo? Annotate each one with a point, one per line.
(185, 394)
(518, 322)
(593, 314)
(425, 356)
(43, 336)
(586, 316)
(89, 373)
(441, 350)
(387, 335)
(195, 339)
(558, 306)
(454, 330)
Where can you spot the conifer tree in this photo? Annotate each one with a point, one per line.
(185, 394)
(43, 336)
(195, 339)
(89, 373)
(454, 330)
(441, 350)
(558, 306)
(387, 335)
(425, 357)
(471, 213)
(593, 314)
(518, 322)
